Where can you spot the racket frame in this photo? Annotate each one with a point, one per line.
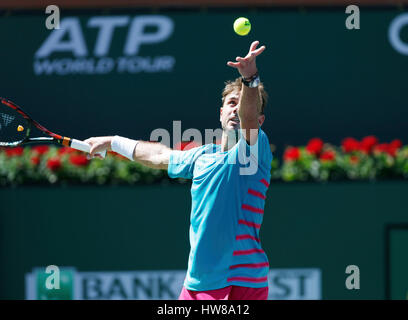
(53, 137)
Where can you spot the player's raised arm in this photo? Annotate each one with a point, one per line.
(249, 110)
(151, 154)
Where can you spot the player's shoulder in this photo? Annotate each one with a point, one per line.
(262, 141)
(262, 134)
(261, 149)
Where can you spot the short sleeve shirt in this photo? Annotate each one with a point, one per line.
(228, 197)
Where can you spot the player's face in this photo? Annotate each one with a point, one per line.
(229, 112)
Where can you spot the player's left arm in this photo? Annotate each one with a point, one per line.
(249, 106)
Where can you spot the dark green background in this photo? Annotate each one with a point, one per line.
(399, 263)
(323, 79)
(306, 225)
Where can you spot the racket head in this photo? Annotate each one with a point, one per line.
(15, 125)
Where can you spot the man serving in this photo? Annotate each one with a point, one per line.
(229, 184)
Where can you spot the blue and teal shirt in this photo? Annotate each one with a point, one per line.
(228, 197)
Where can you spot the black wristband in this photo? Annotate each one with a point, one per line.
(252, 82)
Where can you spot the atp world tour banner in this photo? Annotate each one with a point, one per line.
(130, 72)
(284, 284)
(78, 56)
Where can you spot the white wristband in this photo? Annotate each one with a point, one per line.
(124, 146)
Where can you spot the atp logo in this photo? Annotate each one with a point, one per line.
(73, 42)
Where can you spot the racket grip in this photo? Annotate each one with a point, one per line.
(83, 146)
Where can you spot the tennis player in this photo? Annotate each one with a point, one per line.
(229, 184)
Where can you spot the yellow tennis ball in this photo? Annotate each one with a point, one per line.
(20, 128)
(242, 26)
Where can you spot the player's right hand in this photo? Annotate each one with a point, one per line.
(98, 145)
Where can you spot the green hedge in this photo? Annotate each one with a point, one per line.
(317, 161)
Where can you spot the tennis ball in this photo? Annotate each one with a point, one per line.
(242, 26)
(20, 128)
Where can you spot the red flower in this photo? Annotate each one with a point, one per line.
(54, 164)
(65, 150)
(17, 151)
(368, 143)
(78, 160)
(396, 143)
(40, 149)
(394, 146)
(35, 160)
(328, 155)
(385, 148)
(314, 146)
(382, 147)
(186, 145)
(392, 151)
(354, 159)
(291, 154)
(350, 144)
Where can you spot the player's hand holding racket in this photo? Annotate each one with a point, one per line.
(17, 128)
(98, 145)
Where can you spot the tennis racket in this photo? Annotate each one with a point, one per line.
(16, 128)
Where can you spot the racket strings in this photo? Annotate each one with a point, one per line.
(6, 119)
(13, 127)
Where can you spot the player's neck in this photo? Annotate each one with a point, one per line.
(229, 139)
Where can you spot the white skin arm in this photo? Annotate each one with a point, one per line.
(250, 102)
(151, 154)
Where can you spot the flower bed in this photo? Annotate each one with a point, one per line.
(51, 165)
(317, 161)
(353, 160)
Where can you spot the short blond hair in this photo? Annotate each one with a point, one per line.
(236, 85)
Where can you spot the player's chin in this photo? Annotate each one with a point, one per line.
(233, 125)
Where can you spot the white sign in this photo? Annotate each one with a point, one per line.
(295, 284)
(284, 284)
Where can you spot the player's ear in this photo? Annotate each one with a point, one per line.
(261, 119)
(220, 113)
